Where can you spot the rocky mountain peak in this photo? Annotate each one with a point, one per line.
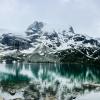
(46, 42)
(36, 27)
(71, 29)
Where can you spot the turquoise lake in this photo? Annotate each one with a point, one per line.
(69, 76)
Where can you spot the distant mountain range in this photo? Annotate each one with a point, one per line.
(39, 45)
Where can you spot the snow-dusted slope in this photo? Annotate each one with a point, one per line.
(37, 40)
(67, 42)
(60, 40)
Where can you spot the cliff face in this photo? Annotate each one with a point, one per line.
(39, 45)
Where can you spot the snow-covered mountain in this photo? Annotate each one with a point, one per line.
(15, 41)
(66, 44)
(59, 40)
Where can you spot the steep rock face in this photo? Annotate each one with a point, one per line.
(47, 45)
(71, 55)
(15, 42)
(35, 28)
(59, 40)
(34, 31)
(36, 57)
(96, 54)
(43, 53)
(68, 45)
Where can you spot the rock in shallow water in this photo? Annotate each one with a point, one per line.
(17, 99)
(12, 92)
(32, 93)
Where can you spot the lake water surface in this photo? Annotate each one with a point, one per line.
(68, 75)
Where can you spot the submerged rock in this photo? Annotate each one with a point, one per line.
(90, 86)
(12, 92)
(31, 92)
(71, 97)
(17, 99)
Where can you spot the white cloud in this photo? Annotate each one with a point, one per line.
(83, 15)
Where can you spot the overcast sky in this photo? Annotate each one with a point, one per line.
(83, 15)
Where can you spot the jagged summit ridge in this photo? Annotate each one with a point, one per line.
(52, 42)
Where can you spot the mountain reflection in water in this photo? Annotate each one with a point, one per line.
(25, 72)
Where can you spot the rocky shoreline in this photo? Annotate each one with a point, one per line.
(45, 91)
